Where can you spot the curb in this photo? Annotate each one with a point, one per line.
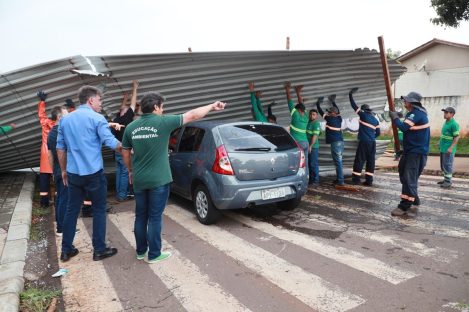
(13, 257)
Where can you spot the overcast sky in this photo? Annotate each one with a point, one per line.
(35, 31)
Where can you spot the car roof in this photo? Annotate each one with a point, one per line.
(210, 124)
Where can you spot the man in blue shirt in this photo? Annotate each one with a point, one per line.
(368, 131)
(81, 135)
(416, 130)
(334, 136)
(61, 197)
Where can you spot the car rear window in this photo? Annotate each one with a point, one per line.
(260, 138)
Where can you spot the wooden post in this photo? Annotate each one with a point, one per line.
(387, 82)
(288, 43)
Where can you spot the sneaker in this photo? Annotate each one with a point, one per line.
(142, 256)
(398, 212)
(163, 256)
(445, 184)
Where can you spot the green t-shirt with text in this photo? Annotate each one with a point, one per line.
(449, 131)
(313, 128)
(149, 138)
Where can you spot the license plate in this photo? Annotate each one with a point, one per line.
(273, 193)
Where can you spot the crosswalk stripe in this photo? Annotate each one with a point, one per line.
(189, 285)
(307, 287)
(424, 197)
(342, 255)
(438, 230)
(436, 253)
(87, 277)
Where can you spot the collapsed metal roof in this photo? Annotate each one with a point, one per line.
(187, 80)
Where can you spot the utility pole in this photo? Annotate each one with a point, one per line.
(387, 82)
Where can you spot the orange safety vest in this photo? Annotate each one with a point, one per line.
(46, 124)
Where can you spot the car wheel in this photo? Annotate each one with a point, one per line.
(289, 204)
(206, 212)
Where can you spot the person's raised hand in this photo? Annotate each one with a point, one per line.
(287, 85)
(393, 115)
(251, 86)
(41, 95)
(332, 97)
(353, 90)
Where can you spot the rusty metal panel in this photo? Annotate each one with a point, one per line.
(187, 80)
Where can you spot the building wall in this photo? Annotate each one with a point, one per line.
(434, 105)
(441, 75)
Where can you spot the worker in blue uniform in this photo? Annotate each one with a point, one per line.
(368, 131)
(416, 130)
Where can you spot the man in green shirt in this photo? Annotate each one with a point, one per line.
(149, 170)
(257, 106)
(313, 129)
(448, 142)
(299, 119)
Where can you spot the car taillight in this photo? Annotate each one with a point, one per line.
(222, 164)
(302, 156)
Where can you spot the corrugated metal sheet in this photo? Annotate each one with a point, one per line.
(187, 80)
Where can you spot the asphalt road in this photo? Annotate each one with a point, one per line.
(339, 251)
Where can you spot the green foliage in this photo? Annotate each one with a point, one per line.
(37, 300)
(392, 54)
(450, 12)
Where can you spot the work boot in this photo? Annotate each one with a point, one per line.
(446, 184)
(416, 202)
(398, 212)
(412, 213)
(367, 183)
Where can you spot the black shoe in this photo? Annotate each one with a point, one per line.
(367, 183)
(355, 182)
(65, 256)
(416, 202)
(106, 253)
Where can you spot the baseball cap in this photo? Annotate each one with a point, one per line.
(412, 97)
(332, 109)
(366, 108)
(448, 109)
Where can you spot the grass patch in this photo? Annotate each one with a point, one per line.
(37, 300)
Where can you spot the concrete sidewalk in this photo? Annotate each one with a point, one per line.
(460, 166)
(15, 221)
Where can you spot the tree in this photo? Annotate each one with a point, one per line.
(450, 12)
(392, 54)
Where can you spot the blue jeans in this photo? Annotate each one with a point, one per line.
(337, 149)
(446, 164)
(313, 158)
(60, 201)
(95, 185)
(122, 178)
(149, 207)
(305, 146)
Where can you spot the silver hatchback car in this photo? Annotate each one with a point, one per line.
(231, 165)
